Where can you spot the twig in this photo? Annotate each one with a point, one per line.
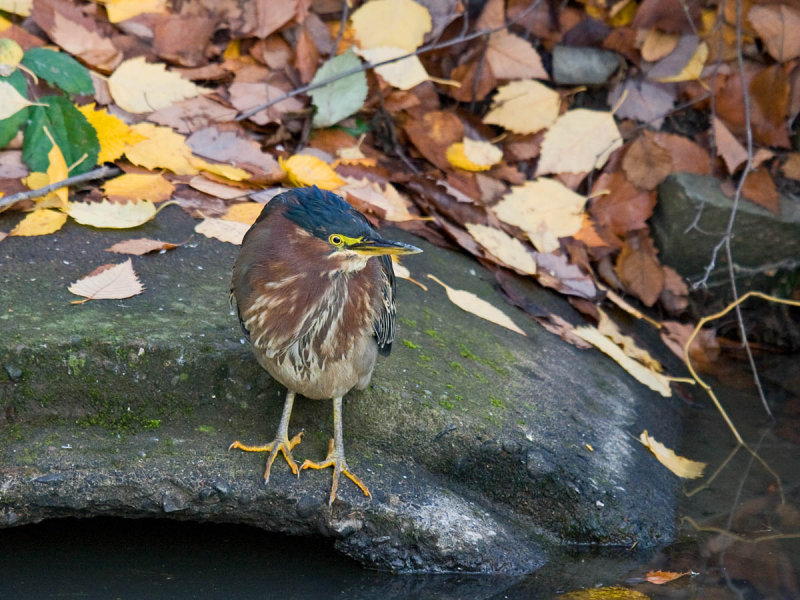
(367, 66)
(98, 173)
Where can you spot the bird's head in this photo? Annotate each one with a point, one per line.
(350, 239)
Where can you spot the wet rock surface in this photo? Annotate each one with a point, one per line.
(483, 449)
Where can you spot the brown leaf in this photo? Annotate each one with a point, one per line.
(674, 296)
(306, 55)
(760, 188)
(662, 577)
(645, 101)
(110, 282)
(658, 44)
(777, 26)
(511, 57)
(192, 115)
(646, 163)
(639, 269)
(770, 92)
(183, 39)
(433, 134)
(270, 16)
(791, 168)
(624, 208)
(732, 152)
(247, 95)
(228, 147)
(671, 16)
(704, 350)
(687, 156)
(139, 246)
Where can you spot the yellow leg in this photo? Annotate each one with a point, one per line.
(335, 456)
(281, 443)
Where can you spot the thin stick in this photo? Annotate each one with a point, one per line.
(98, 173)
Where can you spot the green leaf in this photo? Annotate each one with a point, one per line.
(341, 98)
(59, 69)
(10, 126)
(69, 128)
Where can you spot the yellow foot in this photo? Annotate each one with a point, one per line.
(339, 464)
(284, 446)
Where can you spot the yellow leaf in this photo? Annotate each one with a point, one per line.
(243, 212)
(399, 23)
(693, 68)
(108, 282)
(120, 10)
(57, 171)
(525, 106)
(605, 593)
(226, 171)
(11, 101)
(17, 7)
(113, 133)
(139, 186)
(141, 87)
(308, 170)
(609, 329)
(579, 141)
(473, 155)
(10, 55)
(223, 230)
(42, 221)
(384, 201)
(112, 215)
(402, 74)
(682, 467)
(36, 180)
(655, 381)
(478, 306)
(162, 149)
(545, 209)
(508, 250)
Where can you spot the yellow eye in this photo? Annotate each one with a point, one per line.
(336, 240)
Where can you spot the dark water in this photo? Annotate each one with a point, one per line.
(748, 545)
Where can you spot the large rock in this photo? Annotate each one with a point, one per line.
(691, 218)
(482, 448)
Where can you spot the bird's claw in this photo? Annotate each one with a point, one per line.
(283, 445)
(339, 464)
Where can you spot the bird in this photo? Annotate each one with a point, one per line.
(314, 290)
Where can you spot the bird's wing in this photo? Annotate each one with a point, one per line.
(384, 323)
(232, 302)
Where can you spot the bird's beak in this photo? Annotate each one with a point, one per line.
(379, 246)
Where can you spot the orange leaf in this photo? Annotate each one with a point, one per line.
(662, 577)
(639, 269)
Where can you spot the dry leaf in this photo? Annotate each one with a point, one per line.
(163, 149)
(247, 95)
(225, 231)
(139, 186)
(618, 206)
(111, 215)
(214, 188)
(110, 282)
(639, 269)
(655, 381)
(504, 248)
(604, 593)
(524, 107)
(704, 350)
(610, 329)
(777, 26)
(226, 171)
(682, 467)
(760, 188)
(11, 101)
(511, 57)
(433, 134)
(401, 272)
(243, 212)
(113, 133)
(645, 163)
(398, 23)
(56, 171)
(676, 67)
(228, 147)
(307, 170)
(382, 200)
(791, 168)
(403, 74)
(120, 10)
(732, 152)
(580, 140)
(141, 87)
(474, 155)
(662, 577)
(139, 246)
(545, 209)
(478, 306)
(658, 44)
(42, 221)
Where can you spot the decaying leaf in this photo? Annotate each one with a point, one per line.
(141, 87)
(222, 170)
(112, 215)
(108, 282)
(662, 577)
(139, 186)
(545, 209)
(704, 350)
(655, 381)
(732, 152)
(403, 273)
(403, 74)
(511, 57)
(382, 200)
(525, 106)
(605, 593)
(777, 26)
(474, 155)
(243, 212)
(42, 221)
(580, 140)
(307, 170)
(682, 467)
(215, 188)
(639, 269)
(398, 23)
(506, 249)
(223, 230)
(139, 246)
(478, 306)
(645, 163)
(629, 346)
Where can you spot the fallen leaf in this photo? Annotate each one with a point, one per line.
(760, 189)
(609, 328)
(139, 246)
(732, 152)
(162, 149)
(685, 63)
(382, 200)
(139, 186)
(511, 57)
(11, 101)
(645, 101)
(580, 140)
(682, 467)
(434, 133)
(307, 170)
(525, 106)
(658, 44)
(791, 167)
(56, 171)
(42, 221)
(556, 272)
(645, 163)
(544, 209)
(227, 171)
(215, 188)
(605, 593)
(244, 212)
(17, 7)
(687, 156)
(403, 74)
(474, 155)
(112, 215)
(193, 114)
(704, 351)
(478, 306)
(777, 26)
(675, 293)
(121, 10)
(655, 381)
(113, 133)
(113, 282)
(341, 98)
(400, 271)
(397, 23)
(638, 267)
(228, 147)
(141, 87)
(662, 577)
(248, 95)
(618, 206)
(223, 230)
(504, 248)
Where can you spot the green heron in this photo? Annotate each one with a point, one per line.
(316, 308)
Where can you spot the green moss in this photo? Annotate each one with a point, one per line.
(205, 429)
(425, 358)
(408, 322)
(446, 404)
(410, 344)
(435, 335)
(496, 402)
(75, 363)
(458, 367)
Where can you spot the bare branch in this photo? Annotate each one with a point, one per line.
(98, 173)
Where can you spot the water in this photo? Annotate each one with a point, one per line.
(114, 558)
